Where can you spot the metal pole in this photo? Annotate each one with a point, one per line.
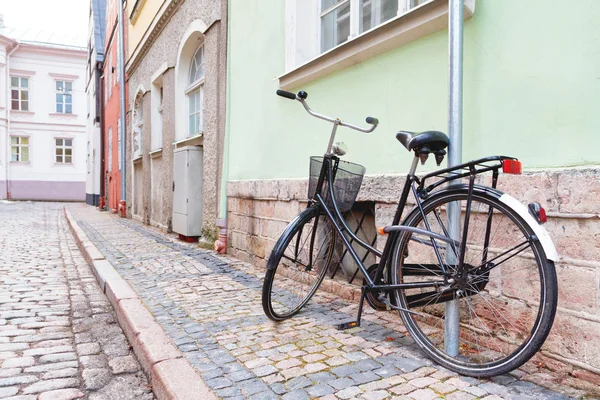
(455, 103)
(121, 66)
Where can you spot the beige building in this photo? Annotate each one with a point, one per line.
(176, 70)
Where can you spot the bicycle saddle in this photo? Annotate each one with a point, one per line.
(429, 141)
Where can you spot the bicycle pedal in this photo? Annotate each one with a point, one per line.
(347, 325)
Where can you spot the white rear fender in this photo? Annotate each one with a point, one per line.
(538, 229)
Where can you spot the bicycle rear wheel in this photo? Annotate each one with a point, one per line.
(506, 302)
(298, 264)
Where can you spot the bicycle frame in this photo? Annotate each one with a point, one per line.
(417, 187)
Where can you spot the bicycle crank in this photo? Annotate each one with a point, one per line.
(371, 298)
(390, 306)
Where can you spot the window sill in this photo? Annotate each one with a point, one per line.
(156, 153)
(137, 159)
(414, 24)
(60, 164)
(23, 163)
(63, 115)
(19, 112)
(187, 141)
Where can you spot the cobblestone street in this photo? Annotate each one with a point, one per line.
(210, 307)
(59, 339)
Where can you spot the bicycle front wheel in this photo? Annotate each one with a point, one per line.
(298, 264)
(505, 302)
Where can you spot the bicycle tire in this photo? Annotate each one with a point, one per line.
(511, 334)
(291, 279)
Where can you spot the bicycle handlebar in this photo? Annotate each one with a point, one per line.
(301, 97)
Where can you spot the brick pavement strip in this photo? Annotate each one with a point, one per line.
(54, 317)
(208, 307)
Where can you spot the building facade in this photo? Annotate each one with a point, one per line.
(42, 117)
(93, 89)
(530, 91)
(176, 73)
(111, 83)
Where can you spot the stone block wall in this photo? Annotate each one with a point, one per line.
(259, 210)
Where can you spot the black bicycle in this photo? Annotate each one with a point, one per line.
(470, 269)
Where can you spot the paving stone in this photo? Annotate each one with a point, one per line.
(297, 383)
(52, 384)
(17, 380)
(375, 395)
(344, 371)
(8, 391)
(219, 383)
(342, 383)
(348, 393)
(423, 394)
(298, 394)
(59, 357)
(95, 378)
(87, 349)
(265, 370)
(18, 362)
(62, 394)
(120, 365)
(459, 395)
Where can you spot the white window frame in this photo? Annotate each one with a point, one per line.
(191, 89)
(21, 90)
(156, 126)
(63, 147)
(138, 126)
(355, 16)
(305, 61)
(20, 147)
(64, 93)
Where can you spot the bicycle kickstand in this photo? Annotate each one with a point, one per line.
(354, 324)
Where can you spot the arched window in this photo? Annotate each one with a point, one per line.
(138, 124)
(195, 94)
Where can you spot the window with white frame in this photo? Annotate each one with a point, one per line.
(63, 150)
(342, 20)
(19, 93)
(19, 149)
(195, 94)
(138, 125)
(64, 97)
(156, 136)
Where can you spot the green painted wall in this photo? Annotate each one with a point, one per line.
(531, 90)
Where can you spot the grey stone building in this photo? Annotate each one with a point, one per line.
(176, 72)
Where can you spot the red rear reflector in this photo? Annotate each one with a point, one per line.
(512, 167)
(538, 212)
(542, 215)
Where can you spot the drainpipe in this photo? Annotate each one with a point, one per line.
(221, 243)
(121, 66)
(455, 112)
(8, 108)
(100, 82)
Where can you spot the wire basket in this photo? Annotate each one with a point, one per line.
(346, 185)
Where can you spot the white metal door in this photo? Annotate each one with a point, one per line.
(180, 160)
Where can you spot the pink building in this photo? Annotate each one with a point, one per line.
(42, 116)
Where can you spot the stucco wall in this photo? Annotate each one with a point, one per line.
(530, 81)
(165, 48)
